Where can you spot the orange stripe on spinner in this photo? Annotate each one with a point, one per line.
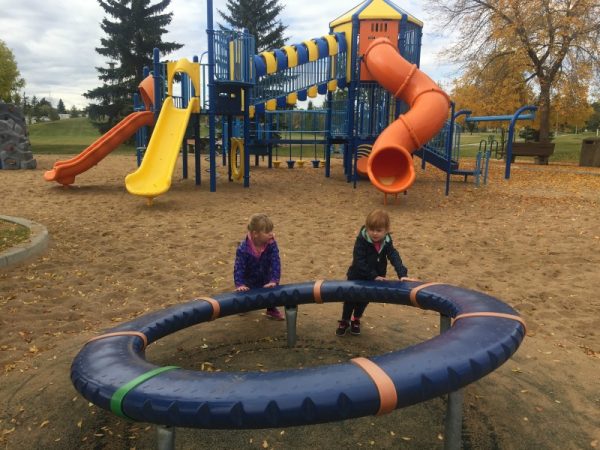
(139, 334)
(215, 306)
(317, 291)
(388, 397)
(492, 314)
(413, 293)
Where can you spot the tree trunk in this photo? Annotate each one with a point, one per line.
(544, 110)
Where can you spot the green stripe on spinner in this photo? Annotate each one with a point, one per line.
(116, 401)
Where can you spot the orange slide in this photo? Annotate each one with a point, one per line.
(390, 165)
(64, 172)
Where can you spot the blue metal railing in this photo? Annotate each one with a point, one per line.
(234, 51)
(301, 77)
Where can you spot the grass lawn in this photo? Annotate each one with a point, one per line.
(567, 146)
(66, 137)
(74, 135)
(11, 234)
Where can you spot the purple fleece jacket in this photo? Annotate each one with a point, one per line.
(254, 270)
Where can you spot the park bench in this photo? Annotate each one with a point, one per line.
(541, 151)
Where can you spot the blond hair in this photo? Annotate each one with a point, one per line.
(378, 218)
(260, 223)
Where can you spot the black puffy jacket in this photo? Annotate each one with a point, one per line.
(367, 263)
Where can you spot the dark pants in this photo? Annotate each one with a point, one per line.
(358, 308)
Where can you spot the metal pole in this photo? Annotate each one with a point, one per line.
(511, 133)
(453, 422)
(212, 97)
(291, 314)
(165, 437)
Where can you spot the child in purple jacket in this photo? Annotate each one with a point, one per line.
(257, 263)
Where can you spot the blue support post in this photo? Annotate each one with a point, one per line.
(212, 97)
(196, 126)
(232, 158)
(246, 107)
(352, 176)
(156, 75)
(328, 124)
(449, 145)
(185, 97)
(511, 133)
(449, 141)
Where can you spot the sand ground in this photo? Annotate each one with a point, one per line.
(532, 241)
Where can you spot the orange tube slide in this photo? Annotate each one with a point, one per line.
(390, 165)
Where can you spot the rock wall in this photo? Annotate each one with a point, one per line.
(15, 148)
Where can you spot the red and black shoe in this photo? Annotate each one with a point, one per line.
(343, 325)
(355, 327)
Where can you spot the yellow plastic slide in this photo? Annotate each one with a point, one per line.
(153, 177)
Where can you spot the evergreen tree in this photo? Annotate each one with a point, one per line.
(133, 29)
(61, 107)
(73, 113)
(260, 18)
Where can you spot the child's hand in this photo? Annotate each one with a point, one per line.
(379, 278)
(242, 288)
(270, 285)
(408, 279)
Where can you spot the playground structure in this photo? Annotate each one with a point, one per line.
(15, 149)
(112, 372)
(243, 94)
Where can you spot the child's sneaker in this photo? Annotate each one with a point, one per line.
(355, 327)
(275, 314)
(342, 327)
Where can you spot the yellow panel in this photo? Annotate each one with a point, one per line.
(332, 85)
(347, 30)
(332, 44)
(375, 9)
(251, 111)
(192, 70)
(312, 91)
(291, 55)
(313, 50)
(271, 105)
(292, 98)
(378, 9)
(231, 61)
(346, 17)
(270, 61)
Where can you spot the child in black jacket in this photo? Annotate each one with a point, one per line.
(372, 249)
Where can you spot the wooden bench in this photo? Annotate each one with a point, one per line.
(541, 151)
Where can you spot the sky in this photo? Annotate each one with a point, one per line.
(54, 41)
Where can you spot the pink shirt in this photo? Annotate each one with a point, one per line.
(256, 251)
